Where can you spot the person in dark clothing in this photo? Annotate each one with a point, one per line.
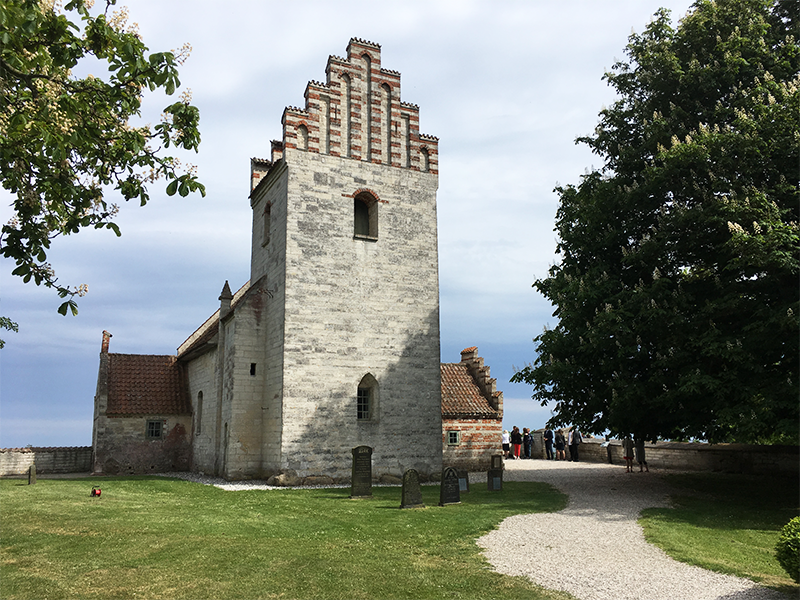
(527, 442)
(548, 443)
(575, 440)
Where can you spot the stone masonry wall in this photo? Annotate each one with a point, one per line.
(479, 441)
(126, 450)
(684, 456)
(201, 382)
(356, 307)
(17, 461)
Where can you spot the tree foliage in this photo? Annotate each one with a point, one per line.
(676, 290)
(65, 139)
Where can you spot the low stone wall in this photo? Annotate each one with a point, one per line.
(17, 461)
(685, 456)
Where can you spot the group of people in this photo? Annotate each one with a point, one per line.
(629, 448)
(557, 440)
(518, 445)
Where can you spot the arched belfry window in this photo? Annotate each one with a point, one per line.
(365, 217)
(367, 399)
(302, 137)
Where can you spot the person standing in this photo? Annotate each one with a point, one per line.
(575, 440)
(560, 444)
(548, 443)
(506, 440)
(627, 453)
(640, 458)
(527, 442)
(516, 441)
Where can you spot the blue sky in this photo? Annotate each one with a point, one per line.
(507, 86)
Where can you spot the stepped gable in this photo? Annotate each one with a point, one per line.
(467, 389)
(357, 113)
(141, 384)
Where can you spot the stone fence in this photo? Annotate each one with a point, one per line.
(685, 456)
(17, 461)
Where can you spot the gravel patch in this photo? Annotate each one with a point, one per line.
(594, 549)
(240, 486)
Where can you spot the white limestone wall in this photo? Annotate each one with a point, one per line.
(268, 265)
(200, 378)
(245, 366)
(355, 307)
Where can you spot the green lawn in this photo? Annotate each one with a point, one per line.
(727, 523)
(151, 537)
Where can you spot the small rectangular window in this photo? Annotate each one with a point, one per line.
(453, 438)
(154, 429)
(363, 402)
(252, 369)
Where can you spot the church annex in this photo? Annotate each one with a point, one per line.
(334, 341)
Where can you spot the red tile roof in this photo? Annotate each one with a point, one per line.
(141, 384)
(461, 396)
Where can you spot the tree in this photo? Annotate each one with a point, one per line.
(677, 285)
(64, 139)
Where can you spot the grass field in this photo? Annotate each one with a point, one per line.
(164, 538)
(727, 523)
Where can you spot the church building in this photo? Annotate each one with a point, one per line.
(334, 341)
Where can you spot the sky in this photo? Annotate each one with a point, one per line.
(506, 86)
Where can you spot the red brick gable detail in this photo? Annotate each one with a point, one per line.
(141, 384)
(461, 396)
(357, 113)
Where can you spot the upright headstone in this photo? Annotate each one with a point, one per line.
(412, 493)
(32, 475)
(450, 490)
(463, 482)
(495, 474)
(361, 481)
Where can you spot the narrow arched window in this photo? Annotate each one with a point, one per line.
(198, 415)
(367, 399)
(302, 137)
(365, 217)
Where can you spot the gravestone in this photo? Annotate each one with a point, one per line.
(361, 481)
(497, 461)
(449, 491)
(32, 475)
(495, 480)
(463, 482)
(412, 493)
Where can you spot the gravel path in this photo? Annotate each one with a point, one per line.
(594, 549)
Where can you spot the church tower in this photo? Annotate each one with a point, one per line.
(344, 244)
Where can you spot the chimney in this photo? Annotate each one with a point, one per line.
(106, 339)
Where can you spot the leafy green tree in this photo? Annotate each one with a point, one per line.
(66, 139)
(676, 289)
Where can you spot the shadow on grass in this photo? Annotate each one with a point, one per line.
(727, 523)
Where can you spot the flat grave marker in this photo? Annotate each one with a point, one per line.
(463, 482)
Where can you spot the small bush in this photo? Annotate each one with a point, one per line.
(788, 548)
